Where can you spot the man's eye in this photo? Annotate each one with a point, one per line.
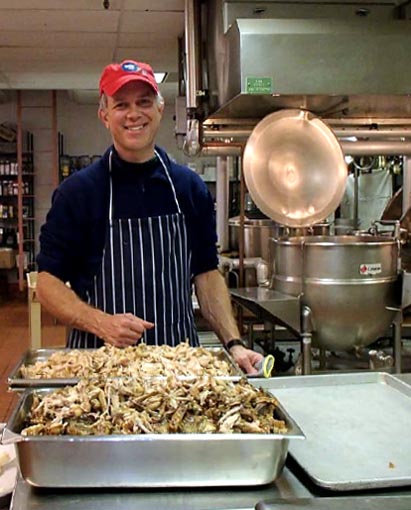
(145, 102)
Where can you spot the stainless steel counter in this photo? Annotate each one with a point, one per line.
(404, 377)
(28, 498)
(289, 492)
(266, 304)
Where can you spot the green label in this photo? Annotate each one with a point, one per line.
(256, 85)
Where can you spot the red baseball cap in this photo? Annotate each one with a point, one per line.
(114, 76)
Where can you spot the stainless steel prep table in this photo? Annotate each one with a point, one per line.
(288, 493)
(27, 498)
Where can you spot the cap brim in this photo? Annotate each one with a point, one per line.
(111, 89)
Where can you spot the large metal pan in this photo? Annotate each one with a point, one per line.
(148, 460)
(294, 168)
(17, 381)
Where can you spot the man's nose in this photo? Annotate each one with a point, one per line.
(133, 110)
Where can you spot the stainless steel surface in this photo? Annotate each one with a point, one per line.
(267, 303)
(149, 460)
(349, 142)
(257, 234)
(373, 147)
(365, 109)
(396, 502)
(220, 150)
(405, 378)
(16, 381)
(191, 46)
(356, 426)
(394, 210)
(406, 290)
(350, 284)
(242, 133)
(294, 168)
(298, 57)
(8, 477)
(227, 498)
(223, 170)
(406, 204)
(288, 491)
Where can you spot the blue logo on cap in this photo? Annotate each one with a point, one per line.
(130, 67)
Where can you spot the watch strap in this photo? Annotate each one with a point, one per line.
(234, 342)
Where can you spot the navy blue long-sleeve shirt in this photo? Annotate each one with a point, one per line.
(73, 237)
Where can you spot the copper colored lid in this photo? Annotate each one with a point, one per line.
(294, 168)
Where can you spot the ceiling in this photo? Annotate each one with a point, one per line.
(64, 44)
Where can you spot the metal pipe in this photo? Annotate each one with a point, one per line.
(356, 198)
(221, 149)
(192, 142)
(362, 148)
(257, 263)
(190, 50)
(373, 133)
(228, 133)
(360, 122)
(306, 339)
(20, 191)
(243, 133)
(397, 339)
(406, 186)
(353, 148)
(222, 190)
(241, 243)
(371, 148)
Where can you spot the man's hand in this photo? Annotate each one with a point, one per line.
(246, 358)
(123, 329)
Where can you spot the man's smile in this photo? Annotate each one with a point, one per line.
(135, 128)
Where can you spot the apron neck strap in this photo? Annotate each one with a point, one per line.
(163, 164)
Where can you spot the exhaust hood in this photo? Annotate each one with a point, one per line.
(345, 68)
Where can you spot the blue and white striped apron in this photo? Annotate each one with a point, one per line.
(145, 271)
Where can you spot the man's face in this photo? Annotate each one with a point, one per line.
(133, 117)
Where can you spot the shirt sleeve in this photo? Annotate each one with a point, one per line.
(204, 235)
(61, 242)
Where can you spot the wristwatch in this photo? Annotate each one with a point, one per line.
(235, 341)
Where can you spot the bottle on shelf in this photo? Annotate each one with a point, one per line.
(10, 209)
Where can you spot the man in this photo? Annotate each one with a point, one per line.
(131, 233)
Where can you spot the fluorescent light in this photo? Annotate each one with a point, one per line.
(160, 77)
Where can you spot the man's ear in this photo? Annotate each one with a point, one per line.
(161, 107)
(102, 115)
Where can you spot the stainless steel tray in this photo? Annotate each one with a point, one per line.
(150, 460)
(16, 381)
(357, 428)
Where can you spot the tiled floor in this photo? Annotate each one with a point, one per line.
(14, 341)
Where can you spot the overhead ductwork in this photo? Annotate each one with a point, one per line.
(347, 68)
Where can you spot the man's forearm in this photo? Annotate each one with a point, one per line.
(64, 304)
(215, 304)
